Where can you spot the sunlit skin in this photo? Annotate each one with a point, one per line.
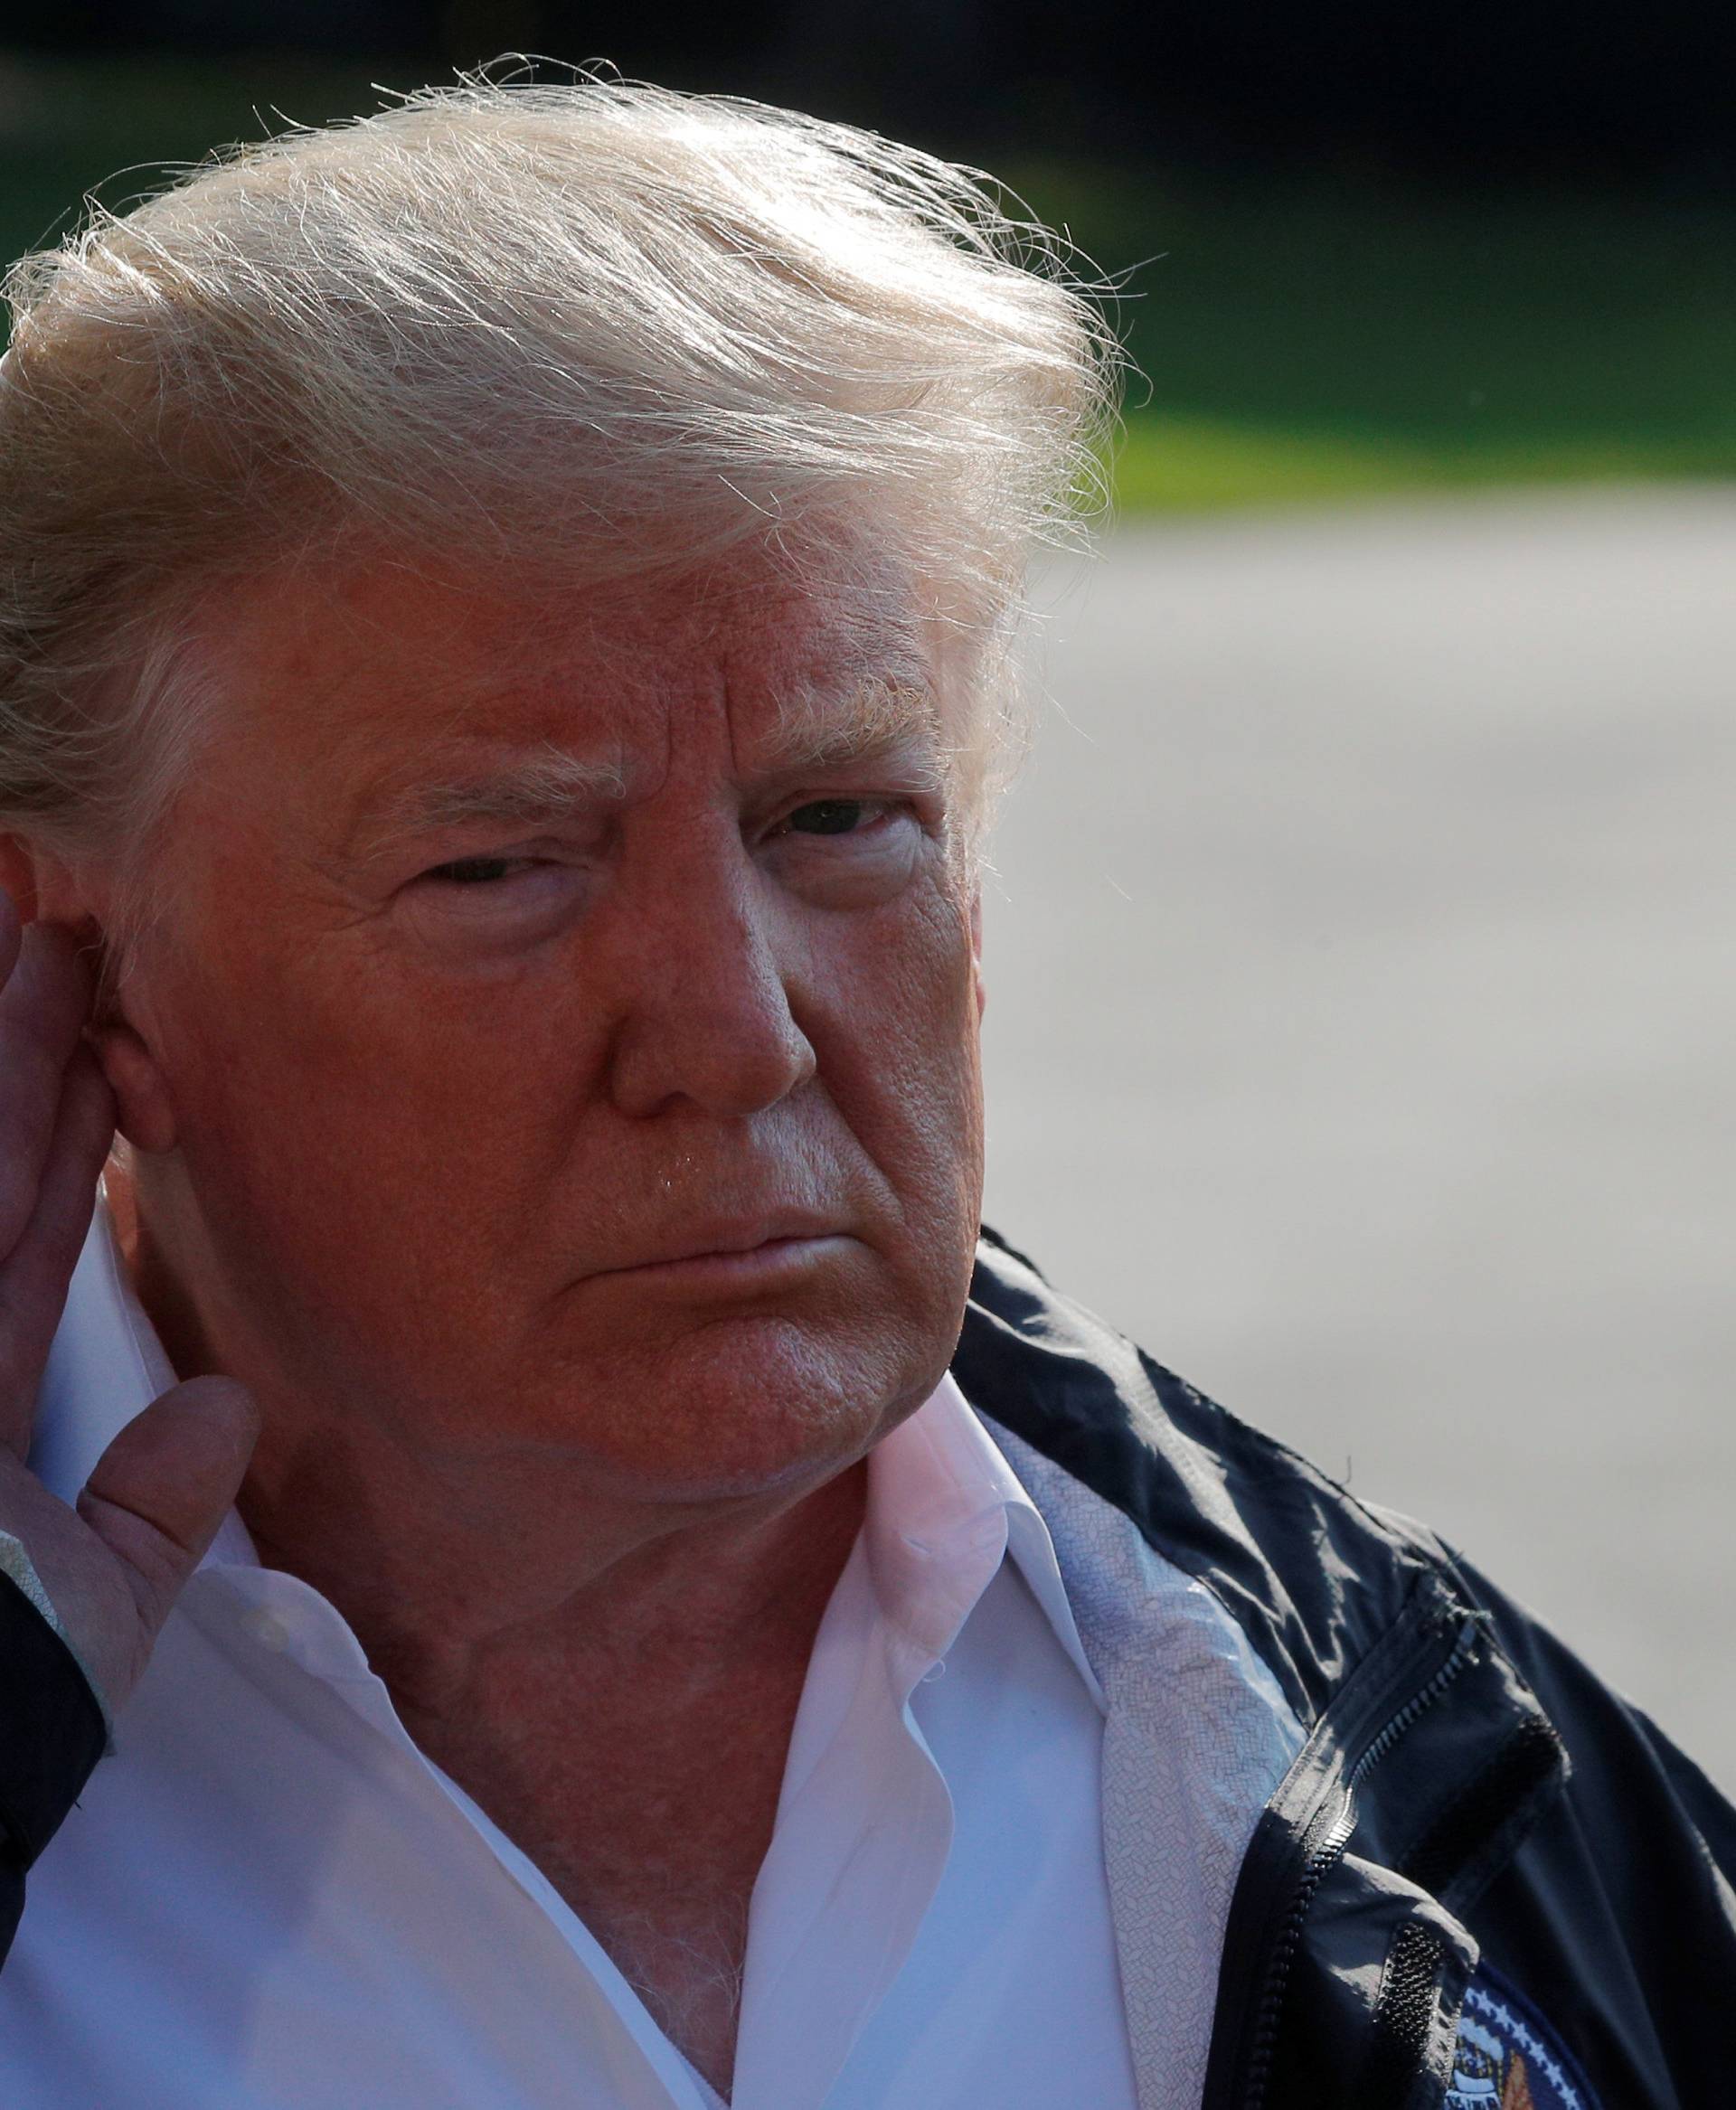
(553, 1089)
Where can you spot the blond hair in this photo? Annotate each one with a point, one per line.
(591, 325)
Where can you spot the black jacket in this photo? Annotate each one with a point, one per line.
(1486, 1879)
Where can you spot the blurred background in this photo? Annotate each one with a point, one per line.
(1362, 1033)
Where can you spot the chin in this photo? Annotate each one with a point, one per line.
(743, 1406)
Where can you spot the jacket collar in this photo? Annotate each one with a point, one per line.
(1196, 1739)
(1424, 1759)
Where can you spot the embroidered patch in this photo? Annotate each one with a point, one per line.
(1508, 2056)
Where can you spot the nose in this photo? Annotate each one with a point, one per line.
(706, 971)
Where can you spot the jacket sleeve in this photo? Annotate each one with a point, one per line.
(52, 1735)
(1618, 1917)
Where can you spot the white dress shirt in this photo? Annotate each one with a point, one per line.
(270, 1898)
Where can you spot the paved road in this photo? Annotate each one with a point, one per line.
(1362, 1028)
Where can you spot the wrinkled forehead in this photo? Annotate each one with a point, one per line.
(429, 652)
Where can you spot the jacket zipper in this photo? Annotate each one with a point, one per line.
(1325, 1855)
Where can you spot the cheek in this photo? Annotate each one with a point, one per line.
(363, 1133)
(899, 1053)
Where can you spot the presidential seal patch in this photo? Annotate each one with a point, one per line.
(1508, 2056)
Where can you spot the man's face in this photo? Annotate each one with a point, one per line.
(569, 1009)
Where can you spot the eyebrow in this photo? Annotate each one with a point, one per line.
(878, 720)
(540, 789)
(548, 785)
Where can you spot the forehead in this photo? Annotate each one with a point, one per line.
(351, 666)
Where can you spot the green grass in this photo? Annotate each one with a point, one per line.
(1174, 462)
(1301, 343)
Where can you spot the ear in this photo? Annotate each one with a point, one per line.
(45, 888)
(144, 1110)
(123, 1033)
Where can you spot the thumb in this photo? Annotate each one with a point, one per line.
(166, 1482)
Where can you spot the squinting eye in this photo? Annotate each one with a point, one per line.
(826, 816)
(474, 871)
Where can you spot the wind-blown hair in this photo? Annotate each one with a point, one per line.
(588, 326)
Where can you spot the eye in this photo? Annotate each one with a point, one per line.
(477, 871)
(844, 852)
(827, 817)
(502, 894)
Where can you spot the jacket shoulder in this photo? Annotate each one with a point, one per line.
(1591, 1863)
(1312, 1575)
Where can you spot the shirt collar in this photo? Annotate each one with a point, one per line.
(944, 1509)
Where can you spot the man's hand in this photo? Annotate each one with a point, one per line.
(114, 1565)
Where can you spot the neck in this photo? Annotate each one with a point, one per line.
(626, 1728)
(469, 1620)
(614, 1683)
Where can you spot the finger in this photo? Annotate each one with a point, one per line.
(166, 1482)
(34, 1277)
(44, 1008)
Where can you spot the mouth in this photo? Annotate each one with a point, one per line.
(741, 1252)
(772, 1262)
